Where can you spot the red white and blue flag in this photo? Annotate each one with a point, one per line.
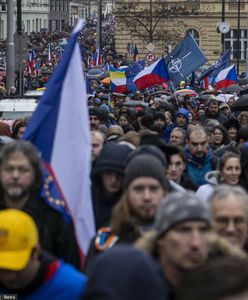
(60, 129)
(97, 57)
(226, 78)
(30, 62)
(155, 74)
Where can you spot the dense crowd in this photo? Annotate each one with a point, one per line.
(45, 49)
(169, 192)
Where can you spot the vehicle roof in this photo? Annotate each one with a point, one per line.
(34, 93)
(18, 104)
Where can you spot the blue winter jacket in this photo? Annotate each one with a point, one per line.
(66, 283)
(198, 167)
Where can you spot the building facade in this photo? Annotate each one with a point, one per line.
(201, 20)
(34, 16)
(59, 15)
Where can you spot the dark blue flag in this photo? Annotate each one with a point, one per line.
(131, 87)
(135, 68)
(192, 81)
(221, 63)
(184, 59)
(131, 72)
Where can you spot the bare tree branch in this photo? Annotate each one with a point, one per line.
(143, 18)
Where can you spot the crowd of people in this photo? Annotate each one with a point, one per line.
(169, 188)
(45, 50)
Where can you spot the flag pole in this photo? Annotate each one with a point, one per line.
(10, 79)
(99, 26)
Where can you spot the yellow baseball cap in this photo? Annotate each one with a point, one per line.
(18, 236)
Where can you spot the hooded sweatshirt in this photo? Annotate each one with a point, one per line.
(112, 158)
(205, 191)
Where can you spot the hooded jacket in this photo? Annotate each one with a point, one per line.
(168, 130)
(55, 234)
(54, 280)
(205, 191)
(112, 158)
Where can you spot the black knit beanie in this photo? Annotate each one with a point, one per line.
(145, 165)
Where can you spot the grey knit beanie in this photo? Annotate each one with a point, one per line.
(145, 165)
(180, 207)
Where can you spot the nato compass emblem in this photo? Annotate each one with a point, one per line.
(218, 63)
(175, 65)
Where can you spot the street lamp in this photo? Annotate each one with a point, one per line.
(238, 38)
(223, 20)
(150, 31)
(10, 79)
(99, 25)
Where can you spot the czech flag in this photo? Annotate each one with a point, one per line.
(30, 63)
(118, 82)
(155, 74)
(60, 130)
(97, 57)
(226, 78)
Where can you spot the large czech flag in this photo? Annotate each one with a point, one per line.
(226, 78)
(60, 129)
(155, 74)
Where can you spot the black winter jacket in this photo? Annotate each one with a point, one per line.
(56, 236)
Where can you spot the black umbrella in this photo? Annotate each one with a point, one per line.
(243, 80)
(241, 104)
(243, 91)
(204, 97)
(104, 74)
(235, 88)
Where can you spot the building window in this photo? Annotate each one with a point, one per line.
(37, 25)
(28, 26)
(231, 40)
(195, 35)
(1, 29)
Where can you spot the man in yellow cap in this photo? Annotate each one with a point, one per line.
(27, 271)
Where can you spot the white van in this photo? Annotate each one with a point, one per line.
(14, 108)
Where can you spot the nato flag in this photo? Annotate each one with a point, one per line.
(222, 63)
(184, 59)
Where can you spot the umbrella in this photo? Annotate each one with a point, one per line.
(204, 97)
(224, 97)
(235, 88)
(104, 74)
(243, 91)
(241, 104)
(189, 92)
(243, 80)
(94, 73)
(106, 80)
